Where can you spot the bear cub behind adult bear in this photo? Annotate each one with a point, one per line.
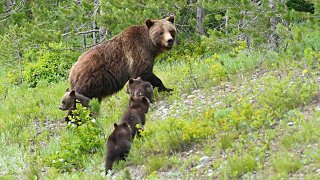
(138, 87)
(118, 145)
(105, 68)
(136, 113)
(69, 101)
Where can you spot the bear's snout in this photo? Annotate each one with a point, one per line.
(170, 42)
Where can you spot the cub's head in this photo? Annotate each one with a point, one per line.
(68, 100)
(139, 102)
(138, 87)
(162, 32)
(122, 130)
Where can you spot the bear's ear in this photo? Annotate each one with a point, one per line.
(72, 93)
(131, 81)
(115, 125)
(170, 18)
(67, 90)
(149, 23)
(139, 78)
(125, 124)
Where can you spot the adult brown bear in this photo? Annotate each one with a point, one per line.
(105, 68)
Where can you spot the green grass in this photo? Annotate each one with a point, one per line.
(243, 126)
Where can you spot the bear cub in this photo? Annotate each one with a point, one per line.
(118, 145)
(138, 87)
(136, 113)
(69, 100)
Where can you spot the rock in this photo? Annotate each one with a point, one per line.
(191, 96)
(187, 101)
(199, 166)
(290, 123)
(204, 160)
(196, 91)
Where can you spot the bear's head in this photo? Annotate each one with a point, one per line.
(138, 87)
(139, 102)
(122, 130)
(162, 32)
(68, 100)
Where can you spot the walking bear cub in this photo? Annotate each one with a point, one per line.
(69, 100)
(138, 87)
(136, 113)
(105, 68)
(118, 145)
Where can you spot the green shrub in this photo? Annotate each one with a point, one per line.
(78, 142)
(286, 163)
(239, 165)
(284, 94)
(51, 64)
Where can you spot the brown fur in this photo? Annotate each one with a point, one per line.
(118, 145)
(138, 87)
(69, 100)
(105, 68)
(136, 113)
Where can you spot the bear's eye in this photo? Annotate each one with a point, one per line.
(161, 33)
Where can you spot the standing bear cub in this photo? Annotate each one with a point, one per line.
(105, 68)
(138, 87)
(118, 145)
(136, 113)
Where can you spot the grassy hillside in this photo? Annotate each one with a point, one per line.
(249, 114)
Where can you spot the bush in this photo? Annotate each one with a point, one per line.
(48, 64)
(78, 142)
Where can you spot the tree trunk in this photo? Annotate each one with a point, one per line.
(200, 17)
(96, 37)
(94, 34)
(273, 37)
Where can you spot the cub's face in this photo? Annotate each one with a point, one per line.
(68, 101)
(138, 87)
(162, 32)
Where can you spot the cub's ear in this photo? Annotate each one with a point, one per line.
(149, 23)
(125, 124)
(170, 18)
(131, 81)
(67, 90)
(72, 93)
(115, 125)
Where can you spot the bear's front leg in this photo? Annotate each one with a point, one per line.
(155, 82)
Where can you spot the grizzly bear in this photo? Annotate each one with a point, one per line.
(105, 68)
(69, 100)
(138, 87)
(118, 145)
(136, 113)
